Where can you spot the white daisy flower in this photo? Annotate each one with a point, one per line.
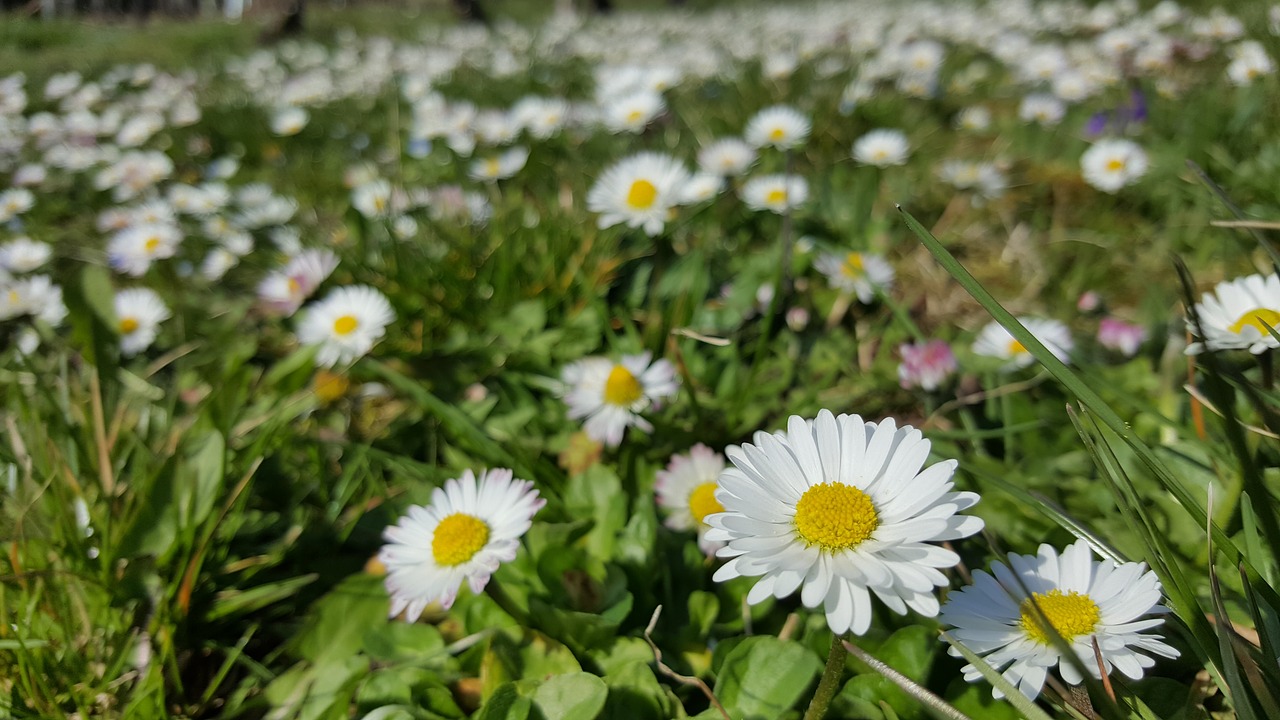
(372, 199)
(346, 324)
(632, 112)
(974, 118)
(840, 508)
(469, 529)
(14, 202)
(780, 126)
(994, 341)
(133, 249)
(139, 312)
(1113, 163)
(288, 121)
(23, 254)
(686, 490)
(1042, 108)
(611, 395)
(285, 290)
(500, 166)
(776, 193)
(700, 188)
(882, 148)
(857, 272)
(1236, 315)
(728, 157)
(639, 190)
(1082, 599)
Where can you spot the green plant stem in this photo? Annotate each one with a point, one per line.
(831, 677)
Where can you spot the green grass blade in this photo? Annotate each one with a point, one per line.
(1013, 695)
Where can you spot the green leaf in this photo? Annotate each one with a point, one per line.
(575, 696)
(401, 642)
(337, 623)
(704, 608)
(597, 494)
(505, 704)
(233, 602)
(763, 677)
(635, 694)
(203, 471)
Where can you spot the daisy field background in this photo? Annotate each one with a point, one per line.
(737, 360)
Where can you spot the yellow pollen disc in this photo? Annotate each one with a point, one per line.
(853, 266)
(345, 325)
(635, 116)
(835, 517)
(776, 197)
(128, 325)
(458, 538)
(295, 287)
(1257, 319)
(703, 502)
(622, 388)
(491, 166)
(1071, 614)
(642, 195)
(777, 134)
(880, 154)
(1115, 165)
(14, 297)
(151, 244)
(1016, 348)
(379, 204)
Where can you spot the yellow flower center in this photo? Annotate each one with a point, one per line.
(642, 195)
(1258, 319)
(345, 325)
(703, 502)
(1115, 165)
(458, 538)
(777, 134)
(1016, 348)
(380, 204)
(491, 167)
(835, 517)
(853, 266)
(128, 325)
(151, 244)
(880, 154)
(635, 116)
(777, 196)
(1070, 614)
(622, 388)
(295, 287)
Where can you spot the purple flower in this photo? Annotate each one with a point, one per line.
(1116, 334)
(926, 364)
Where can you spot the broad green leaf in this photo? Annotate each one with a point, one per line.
(634, 694)
(337, 623)
(574, 696)
(763, 677)
(505, 704)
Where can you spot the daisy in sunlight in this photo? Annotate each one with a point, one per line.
(686, 490)
(346, 324)
(996, 342)
(611, 395)
(863, 274)
(638, 191)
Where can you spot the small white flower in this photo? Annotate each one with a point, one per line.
(346, 324)
(639, 191)
(1082, 600)
(728, 157)
(686, 490)
(500, 166)
(1113, 163)
(14, 202)
(700, 188)
(1236, 315)
(882, 148)
(632, 112)
(133, 249)
(139, 312)
(372, 199)
(780, 126)
(23, 254)
(840, 509)
(858, 272)
(776, 193)
(611, 395)
(288, 121)
(994, 341)
(284, 291)
(470, 528)
(1043, 109)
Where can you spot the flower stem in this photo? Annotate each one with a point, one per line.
(831, 677)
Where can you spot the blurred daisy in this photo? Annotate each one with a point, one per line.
(1042, 108)
(612, 395)
(780, 126)
(1125, 338)
(288, 121)
(700, 188)
(728, 157)
(23, 254)
(346, 324)
(499, 167)
(926, 364)
(840, 509)
(14, 202)
(470, 528)
(632, 112)
(139, 312)
(1113, 163)
(1237, 315)
(639, 191)
(974, 119)
(857, 272)
(285, 290)
(881, 148)
(994, 341)
(686, 490)
(776, 193)
(1080, 598)
(133, 249)
(372, 199)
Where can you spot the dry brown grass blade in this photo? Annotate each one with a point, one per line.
(682, 679)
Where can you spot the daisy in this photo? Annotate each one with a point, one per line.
(611, 395)
(1042, 108)
(728, 157)
(1080, 598)
(777, 193)
(639, 190)
(840, 508)
(133, 249)
(23, 254)
(994, 341)
(372, 199)
(882, 148)
(686, 490)
(974, 119)
(346, 324)
(1236, 315)
(284, 291)
(14, 202)
(288, 121)
(139, 312)
(1116, 334)
(469, 529)
(700, 188)
(780, 126)
(857, 272)
(632, 112)
(926, 364)
(499, 167)
(1111, 164)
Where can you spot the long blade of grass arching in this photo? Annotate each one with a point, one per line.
(1235, 686)
(1267, 623)
(1024, 705)
(1088, 397)
(931, 702)
(1234, 209)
